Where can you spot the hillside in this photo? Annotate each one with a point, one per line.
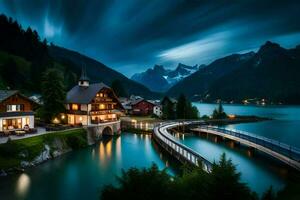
(97, 71)
(272, 73)
(197, 84)
(24, 57)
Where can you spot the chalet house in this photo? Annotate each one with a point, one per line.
(89, 104)
(142, 107)
(16, 111)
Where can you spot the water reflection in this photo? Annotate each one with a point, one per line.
(118, 147)
(23, 184)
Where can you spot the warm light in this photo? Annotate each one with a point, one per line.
(102, 106)
(4, 122)
(55, 121)
(63, 117)
(231, 116)
(74, 107)
(80, 118)
(23, 184)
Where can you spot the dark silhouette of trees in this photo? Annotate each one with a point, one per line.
(118, 88)
(219, 113)
(168, 109)
(27, 44)
(222, 183)
(53, 94)
(185, 109)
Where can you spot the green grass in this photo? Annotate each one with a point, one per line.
(32, 147)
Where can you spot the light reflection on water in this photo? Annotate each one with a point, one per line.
(23, 184)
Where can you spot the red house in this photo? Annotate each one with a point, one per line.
(142, 107)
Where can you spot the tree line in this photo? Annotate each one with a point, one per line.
(181, 108)
(224, 182)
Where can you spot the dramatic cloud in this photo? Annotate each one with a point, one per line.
(132, 35)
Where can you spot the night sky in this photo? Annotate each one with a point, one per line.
(132, 35)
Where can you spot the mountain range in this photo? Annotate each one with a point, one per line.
(271, 73)
(160, 79)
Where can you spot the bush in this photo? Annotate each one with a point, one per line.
(222, 183)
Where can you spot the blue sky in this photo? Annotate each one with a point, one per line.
(133, 35)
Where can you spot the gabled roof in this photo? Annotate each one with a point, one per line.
(140, 100)
(4, 94)
(137, 101)
(84, 95)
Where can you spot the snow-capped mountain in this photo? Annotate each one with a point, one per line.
(160, 79)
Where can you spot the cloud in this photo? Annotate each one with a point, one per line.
(132, 35)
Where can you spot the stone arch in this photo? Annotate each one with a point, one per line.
(107, 131)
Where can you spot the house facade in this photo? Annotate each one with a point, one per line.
(89, 104)
(16, 111)
(142, 107)
(157, 110)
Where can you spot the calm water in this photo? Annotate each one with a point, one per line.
(81, 174)
(284, 128)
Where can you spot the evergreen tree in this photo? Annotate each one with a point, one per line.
(53, 94)
(118, 88)
(181, 107)
(222, 183)
(185, 109)
(219, 113)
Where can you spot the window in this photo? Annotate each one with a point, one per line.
(15, 108)
(101, 106)
(74, 107)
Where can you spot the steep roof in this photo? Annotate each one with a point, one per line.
(84, 95)
(4, 94)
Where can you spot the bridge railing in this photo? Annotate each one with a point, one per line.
(279, 147)
(162, 134)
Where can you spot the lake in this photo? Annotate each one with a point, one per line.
(285, 126)
(82, 173)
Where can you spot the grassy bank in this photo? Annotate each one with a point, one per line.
(27, 149)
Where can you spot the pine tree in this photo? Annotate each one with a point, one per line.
(53, 94)
(119, 89)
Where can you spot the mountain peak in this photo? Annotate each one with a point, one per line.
(269, 46)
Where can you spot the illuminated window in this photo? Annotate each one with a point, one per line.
(74, 107)
(27, 120)
(101, 94)
(102, 106)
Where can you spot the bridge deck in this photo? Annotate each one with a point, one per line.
(286, 153)
(180, 151)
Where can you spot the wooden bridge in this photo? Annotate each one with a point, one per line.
(280, 151)
(283, 152)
